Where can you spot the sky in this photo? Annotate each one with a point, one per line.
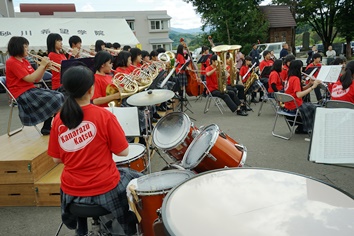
(182, 13)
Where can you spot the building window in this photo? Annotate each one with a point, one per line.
(167, 47)
(156, 46)
(131, 24)
(159, 25)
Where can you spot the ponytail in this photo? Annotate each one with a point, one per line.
(77, 81)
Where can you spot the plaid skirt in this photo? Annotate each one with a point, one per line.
(308, 111)
(114, 201)
(182, 79)
(37, 105)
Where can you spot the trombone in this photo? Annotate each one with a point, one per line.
(53, 65)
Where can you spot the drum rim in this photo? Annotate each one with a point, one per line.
(132, 158)
(184, 135)
(168, 196)
(206, 152)
(166, 190)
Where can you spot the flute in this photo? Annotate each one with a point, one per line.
(243, 77)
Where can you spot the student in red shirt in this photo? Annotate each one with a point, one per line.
(56, 54)
(316, 63)
(229, 97)
(122, 62)
(284, 72)
(294, 88)
(275, 82)
(75, 45)
(181, 74)
(246, 65)
(83, 138)
(35, 104)
(267, 62)
(343, 89)
(99, 46)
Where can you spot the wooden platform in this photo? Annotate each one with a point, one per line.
(17, 195)
(47, 189)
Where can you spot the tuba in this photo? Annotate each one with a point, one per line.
(221, 51)
(233, 75)
(122, 84)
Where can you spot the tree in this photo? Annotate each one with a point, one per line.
(345, 25)
(232, 22)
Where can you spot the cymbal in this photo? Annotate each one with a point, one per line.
(150, 97)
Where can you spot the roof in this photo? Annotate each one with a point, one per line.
(160, 40)
(278, 16)
(158, 17)
(47, 9)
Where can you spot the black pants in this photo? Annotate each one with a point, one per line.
(229, 98)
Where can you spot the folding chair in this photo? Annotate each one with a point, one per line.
(12, 103)
(339, 104)
(210, 98)
(266, 98)
(289, 117)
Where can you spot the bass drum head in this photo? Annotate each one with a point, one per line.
(135, 150)
(200, 146)
(157, 182)
(170, 130)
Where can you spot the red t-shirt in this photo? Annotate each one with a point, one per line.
(343, 95)
(274, 78)
(243, 71)
(124, 70)
(313, 65)
(212, 80)
(292, 86)
(86, 152)
(101, 83)
(265, 63)
(204, 66)
(56, 57)
(15, 72)
(284, 73)
(181, 61)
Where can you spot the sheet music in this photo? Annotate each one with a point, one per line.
(128, 119)
(329, 74)
(333, 136)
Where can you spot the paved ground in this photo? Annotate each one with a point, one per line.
(253, 131)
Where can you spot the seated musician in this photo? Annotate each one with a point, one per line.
(229, 96)
(343, 89)
(126, 48)
(99, 45)
(75, 43)
(245, 73)
(264, 77)
(136, 58)
(145, 56)
(116, 46)
(275, 82)
(56, 54)
(293, 87)
(90, 175)
(154, 55)
(284, 72)
(337, 61)
(35, 104)
(103, 78)
(316, 63)
(123, 62)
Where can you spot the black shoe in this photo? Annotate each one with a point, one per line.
(154, 120)
(169, 108)
(254, 100)
(245, 108)
(156, 116)
(45, 131)
(161, 108)
(241, 113)
(300, 131)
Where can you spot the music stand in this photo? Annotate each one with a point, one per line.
(158, 80)
(266, 72)
(184, 66)
(203, 58)
(66, 64)
(329, 74)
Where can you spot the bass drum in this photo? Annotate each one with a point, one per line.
(212, 149)
(173, 134)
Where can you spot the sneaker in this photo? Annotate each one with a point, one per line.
(241, 113)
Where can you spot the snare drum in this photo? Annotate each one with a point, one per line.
(151, 189)
(136, 158)
(213, 149)
(173, 134)
(262, 202)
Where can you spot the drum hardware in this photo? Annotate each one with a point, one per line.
(211, 156)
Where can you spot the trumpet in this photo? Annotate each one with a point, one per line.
(53, 65)
(83, 53)
(115, 51)
(122, 84)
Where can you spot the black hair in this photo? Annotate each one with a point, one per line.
(126, 48)
(145, 54)
(122, 59)
(77, 80)
(51, 39)
(247, 58)
(295, 69)
(116, 45)
(316, 55)
(265, 53)
(101, 58)
(213, 58)
(15, 46)
(160, 50)
(98, 45)
(180, 49)
(277, 66)
(135, 53)
(337, 61)
(347, 78)
(74, 40)
(153, 54)
(289, 58)
(108, 45)
(204, 48)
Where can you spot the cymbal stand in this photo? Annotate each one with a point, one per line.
(147, 133)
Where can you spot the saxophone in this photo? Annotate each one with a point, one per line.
(250, 81)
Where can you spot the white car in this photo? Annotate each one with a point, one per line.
(276, 47)
(196, 54)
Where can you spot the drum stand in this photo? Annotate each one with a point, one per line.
(147, 134)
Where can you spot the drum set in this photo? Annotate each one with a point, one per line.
(190, 150)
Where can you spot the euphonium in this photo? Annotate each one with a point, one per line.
(122, 84)
(221, 50)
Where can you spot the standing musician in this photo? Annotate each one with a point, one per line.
(229, 97)
(35, 104)
(316, 63)
(343, 89)
(181, 74)
(284, 72)
(54, 47)
(103, 78)
(90, 175)
(75, 43)
(245, 69)
(275, 81)
(205, 52)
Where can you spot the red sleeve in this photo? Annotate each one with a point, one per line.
(243, 71)
(262, 65)
(181, 61)
(117, 141)
(53, 144)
